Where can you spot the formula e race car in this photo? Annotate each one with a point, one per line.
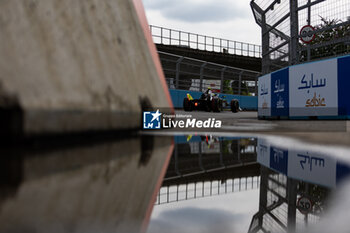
(209, 102)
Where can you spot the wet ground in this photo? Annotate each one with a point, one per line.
(252, 184)
(254, 176)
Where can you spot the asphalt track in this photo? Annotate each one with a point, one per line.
(332, 132)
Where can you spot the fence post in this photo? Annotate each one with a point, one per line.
(178, 63)
(212, 44)
(265, 61)
(188, 38)
(201, 77)
(161, 35)
(221, 50)
(234, 48)
(256, 85)
(222, 79)
(179, 38)
(240, 82)
(294, 27)
(170, 36)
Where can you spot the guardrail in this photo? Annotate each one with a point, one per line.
(196, 75)
(168, 36)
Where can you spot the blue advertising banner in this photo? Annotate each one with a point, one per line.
(280, 93)
(279, 160)
(344, 86)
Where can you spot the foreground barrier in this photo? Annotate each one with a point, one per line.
(73, 66)
(311, 90)
(245, 102)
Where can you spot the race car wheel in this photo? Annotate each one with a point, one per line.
(234, 105)
(187, 105)
(221, 107)
(215, 105)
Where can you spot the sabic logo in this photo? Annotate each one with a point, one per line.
(151, 120)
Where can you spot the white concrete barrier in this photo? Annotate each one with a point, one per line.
(72, 66)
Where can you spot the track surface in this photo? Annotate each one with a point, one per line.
(334, 132)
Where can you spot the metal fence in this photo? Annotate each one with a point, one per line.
(191, 74)
(196, 190)
(168, 36)
(282, 20)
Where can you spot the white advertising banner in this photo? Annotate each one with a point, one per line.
(264, 92)
(312, 167)
(313, 89)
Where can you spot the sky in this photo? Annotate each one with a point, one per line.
(226, 19)
(221, 214)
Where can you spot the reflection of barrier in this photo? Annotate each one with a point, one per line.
(318, 89)
(306, 165)
(205, 189)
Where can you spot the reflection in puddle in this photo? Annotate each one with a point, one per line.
(98, 187)
(206, 166)
(293, 184)
(212, 184)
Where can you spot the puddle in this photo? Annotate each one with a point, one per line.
(219, 182)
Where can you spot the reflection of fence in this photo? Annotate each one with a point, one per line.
(192, 74)
(168, 36)
(278, 211)
(282, 20)
(205, 189)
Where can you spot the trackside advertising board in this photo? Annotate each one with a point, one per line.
(264, 99)
(312, 89)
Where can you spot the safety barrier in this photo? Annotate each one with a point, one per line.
(311, 90)
(169, 36)
(245, 102)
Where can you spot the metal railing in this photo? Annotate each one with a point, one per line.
(192, 74)
(203, 189)
(168, 36)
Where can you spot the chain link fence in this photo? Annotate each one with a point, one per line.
(327, 31)
(168, 36)
(191, 74)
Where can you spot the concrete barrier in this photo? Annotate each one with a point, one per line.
(245, 102)
(311, 90)
(71, 66)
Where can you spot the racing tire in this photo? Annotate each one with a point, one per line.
(215, 105)
(221, 107)
(187, 105)
(234, 105)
